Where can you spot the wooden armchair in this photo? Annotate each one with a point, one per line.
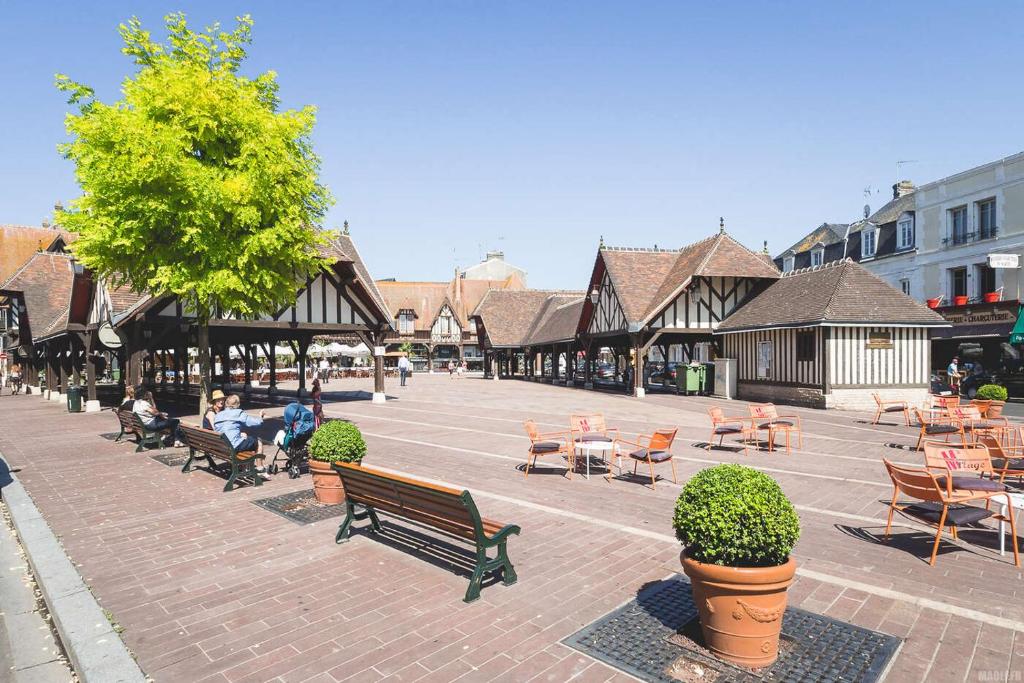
(548, 443)
(934, 427)
(722, 424)
(653, 449)
(962, 468)
(591, 427)
(940, 505)
(970, 419)
(1007, 459)
(890, 407)
(766, 416)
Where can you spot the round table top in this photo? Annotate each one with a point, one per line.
(595, 445)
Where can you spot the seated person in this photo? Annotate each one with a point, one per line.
(128, 403)
(230, 421)
(152, 418)
(216, 406)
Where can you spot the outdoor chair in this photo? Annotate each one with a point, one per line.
(935, 427)
(946, 403)
(890, 407)
(962, 468)
(591, 428)
(766, 417)
(1007, 460)
(548, 443)
(940, 505)
(723, 425)
(653, 449)
(969, 418)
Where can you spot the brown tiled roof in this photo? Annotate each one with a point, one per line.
(19, 242)
(558, 320)
(510, 317)
(427, 298)
(122, 299)
(346, 249)
(647, 280)
(840, 292)
(45, 282)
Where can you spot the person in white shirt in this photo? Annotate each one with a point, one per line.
(403, 368)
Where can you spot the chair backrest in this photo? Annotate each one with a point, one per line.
(531, 429)
(763, 411)
(946, 401)
(920, 416)
(914, 482)
(967, 412)
(995, 449)
(958, 458)
(878, 399)
(662, 439)
(588, 423)
(717, 415)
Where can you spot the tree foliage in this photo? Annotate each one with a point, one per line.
(194, 183)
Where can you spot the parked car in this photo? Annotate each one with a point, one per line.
(665, 375)
(605, 371)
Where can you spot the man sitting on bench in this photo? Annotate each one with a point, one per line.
(230, 421)
(153, 419)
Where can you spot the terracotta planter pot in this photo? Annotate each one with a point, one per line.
(327, 486)
(740, 609)
(959, 300)
(995, 409)
(934, 303)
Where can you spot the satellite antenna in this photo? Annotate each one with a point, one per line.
(867, 196)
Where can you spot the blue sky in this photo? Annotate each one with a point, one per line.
(450, 128)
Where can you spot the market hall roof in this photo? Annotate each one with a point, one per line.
(646, 280)
(838, 293)
(426, 299)
(44, 282)
(517, 318)
(19, 242)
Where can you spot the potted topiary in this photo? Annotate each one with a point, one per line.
(335, 441)
(996, 395)
(738, 529)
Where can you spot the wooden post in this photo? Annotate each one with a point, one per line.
(272, 356)
(247, 357)
(378, 367)
(301, 354)
(638, 366)
(90, 366)
(588, 367)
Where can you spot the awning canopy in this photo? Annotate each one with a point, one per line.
(1017, 334)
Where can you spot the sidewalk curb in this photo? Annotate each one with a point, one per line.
(97, 652)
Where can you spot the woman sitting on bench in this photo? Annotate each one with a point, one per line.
(230, 421)
(153, 419)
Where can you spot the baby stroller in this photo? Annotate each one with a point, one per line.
(298, 427)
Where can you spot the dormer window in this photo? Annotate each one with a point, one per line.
(817, 257)
(905, 233)
(868, 243)
(787, 264)
(404, 322)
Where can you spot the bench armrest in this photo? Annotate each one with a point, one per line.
(501, 535)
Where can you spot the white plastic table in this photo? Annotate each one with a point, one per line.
(591, 447)
(1018, 504)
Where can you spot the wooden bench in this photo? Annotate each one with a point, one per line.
(445, 509)
(205, 443)
(131, 423)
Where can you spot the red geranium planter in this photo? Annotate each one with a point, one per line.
(991, 297)
(934, 303)
(959, 300)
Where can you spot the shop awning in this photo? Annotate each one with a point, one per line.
(1017, 335)
(973, 331)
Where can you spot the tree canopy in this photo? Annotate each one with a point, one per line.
(194, 183)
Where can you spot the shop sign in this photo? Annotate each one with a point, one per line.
(879, 340)
(1003, 261)
(1005, 312)
(108, 337)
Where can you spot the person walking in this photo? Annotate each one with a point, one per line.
(403, 368)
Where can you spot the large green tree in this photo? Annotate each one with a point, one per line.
(195, 183)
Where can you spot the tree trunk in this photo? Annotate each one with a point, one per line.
(203, 329)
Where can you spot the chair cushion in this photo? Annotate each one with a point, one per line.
(594, 437)
(776, 423)
(725, 429)
(958, 515)
(1008, 464)
(895, 409)
(655, 456)
(941, 429)
(545, 447)
(969, 483)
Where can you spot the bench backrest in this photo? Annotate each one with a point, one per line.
(125, 418)
(206, 441)
(441, 507)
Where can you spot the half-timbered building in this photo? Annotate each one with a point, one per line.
(829, 337)
(639, 298)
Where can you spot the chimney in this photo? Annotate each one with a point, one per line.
(902, 189)
(495, 256)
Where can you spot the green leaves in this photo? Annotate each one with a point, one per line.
(735, 516)
(992, 392)
(337, 440)
(193, 183)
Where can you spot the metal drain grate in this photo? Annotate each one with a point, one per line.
(656, 638)
(171, 458)
(300, 507)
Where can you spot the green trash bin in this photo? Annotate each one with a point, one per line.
(74, 399)
(694, 378)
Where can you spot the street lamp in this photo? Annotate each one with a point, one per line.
(695, 293)
(595, 295)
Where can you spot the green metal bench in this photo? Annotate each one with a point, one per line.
(204, 443)
(131, 423)
(448, 510)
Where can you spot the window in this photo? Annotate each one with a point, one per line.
(905, 234)
(805, 346)
(958, 281)
(764, 360)
(986, 278)
(868, 242)
(817, 256)
(905, 286)
(958, 225)
(405, 322)
(787, 264)
(986, 219)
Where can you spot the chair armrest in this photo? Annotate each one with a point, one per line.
(612, 430)
(735, 418)
(501, 535)
(616, 442)
(554, 435)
